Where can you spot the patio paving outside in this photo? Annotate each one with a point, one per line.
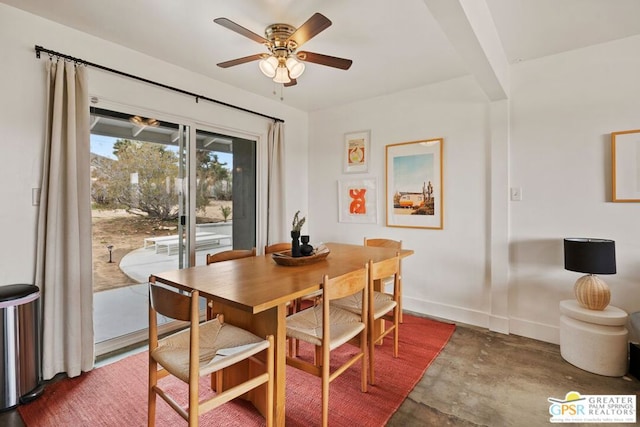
(122, 312)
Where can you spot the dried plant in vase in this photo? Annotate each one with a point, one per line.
(297, 222)
(296, 226)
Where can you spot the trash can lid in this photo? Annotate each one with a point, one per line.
(11, 292)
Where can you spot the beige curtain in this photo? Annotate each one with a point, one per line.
(63, 262)
(276, 230)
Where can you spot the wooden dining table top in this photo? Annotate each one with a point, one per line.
(256, 284)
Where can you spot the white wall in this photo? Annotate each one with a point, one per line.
(22, 118)
(562, 110)
(447, 276)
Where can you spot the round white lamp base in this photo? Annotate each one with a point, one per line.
(594, 340)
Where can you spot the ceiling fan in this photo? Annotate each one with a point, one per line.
(284, 64)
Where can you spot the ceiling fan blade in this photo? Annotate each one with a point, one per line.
(227, 23)
(293, 82)
(242, 60)
(329, 61)
(314, 25)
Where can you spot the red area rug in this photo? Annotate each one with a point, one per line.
(116, 394)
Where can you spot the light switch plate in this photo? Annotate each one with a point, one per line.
(516, 194)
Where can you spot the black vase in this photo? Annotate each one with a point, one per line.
(295, 244)
(305, 249)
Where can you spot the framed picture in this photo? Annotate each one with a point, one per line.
(357, 200)
(414, 184)
(625, 158)
(356, 152)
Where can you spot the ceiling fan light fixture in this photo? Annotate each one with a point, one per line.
(283, 63)
(295, 67)
(282, 75)
(268, 66)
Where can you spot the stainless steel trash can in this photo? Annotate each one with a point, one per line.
(20, 365)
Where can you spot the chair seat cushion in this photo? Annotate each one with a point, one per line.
(382, 303)
(221, 345)
(306, 325)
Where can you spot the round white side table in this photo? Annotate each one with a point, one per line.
(594, 340)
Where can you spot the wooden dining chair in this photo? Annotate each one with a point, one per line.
(382, 307)
(226, 256)
(277, 247)
(393, 244)
(230, 254)
(202, 349)
(327, 327)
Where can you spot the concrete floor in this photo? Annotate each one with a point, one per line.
(483, 378)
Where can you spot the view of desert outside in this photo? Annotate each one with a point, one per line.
(124, 228)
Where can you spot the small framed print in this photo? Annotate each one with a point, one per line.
(414, 184)
(625, 156)
(356, 152)
(358, 200)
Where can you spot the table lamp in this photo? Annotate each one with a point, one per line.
(591, 256)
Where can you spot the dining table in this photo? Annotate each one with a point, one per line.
(253, 293)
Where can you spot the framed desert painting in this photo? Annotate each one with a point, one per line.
(625, 157)
(357, 200)
(414, 190)
(356, 152)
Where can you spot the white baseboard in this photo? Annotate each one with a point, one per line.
(448, 312)
(499, 324)
(522, 327)
(537, 331)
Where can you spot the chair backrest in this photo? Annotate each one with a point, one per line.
(170, 303)
(383, 243)
(340, 287)
(385, 268)
(230, 254)
(277, 247)
(345, 285)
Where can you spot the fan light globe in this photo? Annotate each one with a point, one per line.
(268, 66)
(295, 67)
(282, 75)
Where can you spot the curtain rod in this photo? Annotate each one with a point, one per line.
(52, 53)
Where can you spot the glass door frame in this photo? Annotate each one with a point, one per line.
(187, 148)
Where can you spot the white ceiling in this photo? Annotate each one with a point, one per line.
(394, 45)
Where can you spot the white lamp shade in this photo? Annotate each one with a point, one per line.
(268, 66)
(282, 75)
(295, 67)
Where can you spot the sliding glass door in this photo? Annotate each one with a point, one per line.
(164, 194)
